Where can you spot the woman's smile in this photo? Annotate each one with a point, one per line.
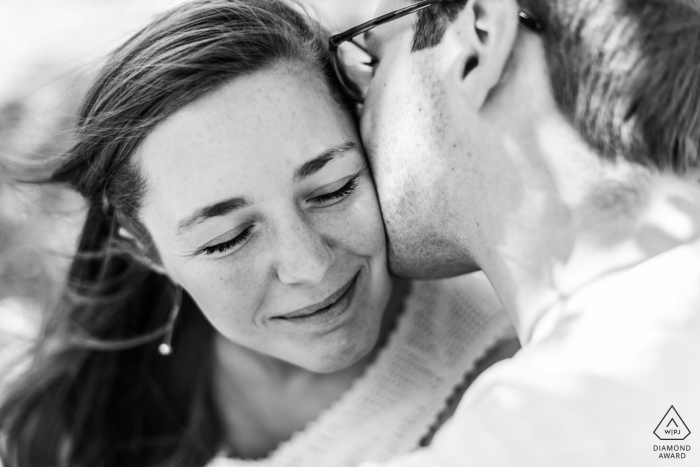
(330, 311)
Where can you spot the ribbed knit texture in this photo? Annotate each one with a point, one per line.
(446, 327)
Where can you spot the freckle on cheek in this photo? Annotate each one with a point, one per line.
(244, 279)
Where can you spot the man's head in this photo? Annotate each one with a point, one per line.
(459, 86)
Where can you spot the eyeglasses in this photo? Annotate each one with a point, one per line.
(354, 65)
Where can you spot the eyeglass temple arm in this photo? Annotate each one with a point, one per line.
(525, 19)
(342, 37)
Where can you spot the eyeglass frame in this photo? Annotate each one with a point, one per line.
(336, 40)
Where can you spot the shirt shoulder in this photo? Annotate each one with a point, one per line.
(593, 390)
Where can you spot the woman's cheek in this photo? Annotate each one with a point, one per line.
(228, 291)
(359, 227)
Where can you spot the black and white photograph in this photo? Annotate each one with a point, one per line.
(349, 233)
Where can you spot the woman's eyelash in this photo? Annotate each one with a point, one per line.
(223, 247)
(243, 236)
(338, 194)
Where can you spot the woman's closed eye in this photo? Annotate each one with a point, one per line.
(322, 200)
(229, 244)
(333, 197)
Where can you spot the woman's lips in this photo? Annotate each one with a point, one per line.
(322, 306)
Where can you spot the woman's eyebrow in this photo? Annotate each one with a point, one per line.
(227, 206)
(317, 163)
(215, 210)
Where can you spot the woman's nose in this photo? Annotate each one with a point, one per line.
(304, 257)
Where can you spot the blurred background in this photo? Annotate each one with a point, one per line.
(49, 50)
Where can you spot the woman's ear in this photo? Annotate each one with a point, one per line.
(485, 33)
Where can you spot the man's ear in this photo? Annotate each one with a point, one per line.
(485, 33)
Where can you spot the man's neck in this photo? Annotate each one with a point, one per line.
(581, 225)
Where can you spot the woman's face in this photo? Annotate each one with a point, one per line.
(261, 204)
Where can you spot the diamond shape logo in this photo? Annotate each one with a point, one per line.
(672, 427)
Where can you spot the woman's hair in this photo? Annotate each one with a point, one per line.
(82, 403)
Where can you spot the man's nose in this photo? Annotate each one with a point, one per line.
(304, 256)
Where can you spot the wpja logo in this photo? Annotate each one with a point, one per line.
(672, 428)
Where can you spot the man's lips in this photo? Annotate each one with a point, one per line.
(309, 310)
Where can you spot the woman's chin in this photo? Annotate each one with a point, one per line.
(341, 357)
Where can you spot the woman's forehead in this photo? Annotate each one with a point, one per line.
(253, 132)
(254, 118)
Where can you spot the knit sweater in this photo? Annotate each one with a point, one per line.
(446, 327)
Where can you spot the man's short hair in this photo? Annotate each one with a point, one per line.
(626, 73)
